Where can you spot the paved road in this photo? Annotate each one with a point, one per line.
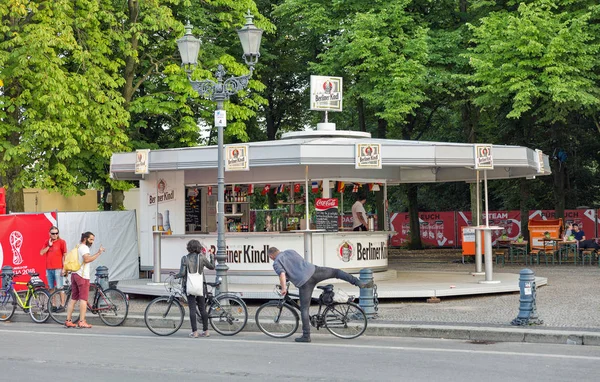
(48, 352)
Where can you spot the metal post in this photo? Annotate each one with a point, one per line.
(487, 244)
(367, 295)
(221, 256)
(478, 244)
(527, 305)
(156, 237)
(308, 246)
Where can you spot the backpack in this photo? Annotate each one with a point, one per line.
(71, 263)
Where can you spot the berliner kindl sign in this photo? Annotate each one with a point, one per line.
(325, 93)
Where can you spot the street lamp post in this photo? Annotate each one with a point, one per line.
(220, 91)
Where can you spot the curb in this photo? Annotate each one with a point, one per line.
(466, 333)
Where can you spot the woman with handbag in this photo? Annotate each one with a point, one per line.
(191, 269)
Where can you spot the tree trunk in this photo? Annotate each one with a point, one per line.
(362, 125)
(382, 125)
(15, 201)
(524, 196)
(413, 214)
(118, 196)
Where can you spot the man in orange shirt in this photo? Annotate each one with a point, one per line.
(55, 249)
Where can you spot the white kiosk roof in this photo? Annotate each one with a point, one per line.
(332, 156)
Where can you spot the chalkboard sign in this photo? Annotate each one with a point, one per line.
(326, 210)
(192, 211)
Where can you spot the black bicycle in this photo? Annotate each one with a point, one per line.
(227, 313)
(110, 304)
(342, 318)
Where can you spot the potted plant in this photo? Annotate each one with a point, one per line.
(520, 239)
(547, 235)
(571, 238)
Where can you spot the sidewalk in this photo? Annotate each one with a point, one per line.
(568, 305)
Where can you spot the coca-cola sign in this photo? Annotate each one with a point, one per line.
(322, 204)
(326, 211)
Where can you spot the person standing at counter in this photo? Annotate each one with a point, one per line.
(359, 215)
(305, 276)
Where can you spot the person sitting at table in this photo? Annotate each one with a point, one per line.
(568, 231)
(591, 244)
(578, 233)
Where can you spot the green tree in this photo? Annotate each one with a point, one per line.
(61, 113)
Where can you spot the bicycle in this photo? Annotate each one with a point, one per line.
(35, 301)
(227, 313)
(110, 304)
(279, 318)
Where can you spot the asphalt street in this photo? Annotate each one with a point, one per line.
(42, 352)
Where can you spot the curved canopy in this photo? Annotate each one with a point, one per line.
(333, 157)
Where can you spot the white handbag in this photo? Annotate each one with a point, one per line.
(195, 282)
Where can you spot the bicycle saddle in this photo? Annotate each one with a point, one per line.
(326, 288)
(215, 284)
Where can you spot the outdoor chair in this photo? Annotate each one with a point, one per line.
(500, 255)
(587, 254)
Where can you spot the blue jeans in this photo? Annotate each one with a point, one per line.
(306, 290)
(55, 278)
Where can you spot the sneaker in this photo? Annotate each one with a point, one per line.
(303, 339)
(60, 309)
(84, 325)
(205, 334)
(368, 284)
(54, 309)
(193, 335)
(70, 324)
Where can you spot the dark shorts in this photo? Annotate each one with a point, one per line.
(80, 287)
(360, 228)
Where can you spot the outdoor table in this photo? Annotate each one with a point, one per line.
(518, 248)
(564, 248)
(549, 246)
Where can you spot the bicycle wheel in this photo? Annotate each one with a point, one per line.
(164, 316)
(277, 320)
(61, 316)
(345, 320)
(38, 306)
(7, 305)
(227, 315)
(112, 306)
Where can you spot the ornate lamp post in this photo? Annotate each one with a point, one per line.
(219, 92)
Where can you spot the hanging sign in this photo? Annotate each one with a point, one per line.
(325, 93)
(368, 155)
(483, 157)
(220, 118)
(236, 158)
(540, 161)
(141, 161)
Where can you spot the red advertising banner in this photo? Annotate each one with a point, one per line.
(585, 218)
(438, 229)
(21, 239)
(509, 220)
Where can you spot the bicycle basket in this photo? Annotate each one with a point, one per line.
(341, 296)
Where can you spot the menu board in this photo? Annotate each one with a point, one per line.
(192, 210)
(326, 211)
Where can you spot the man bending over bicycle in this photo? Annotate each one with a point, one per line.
(305, 276)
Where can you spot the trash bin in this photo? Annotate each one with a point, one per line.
(7, 276)
(102, 275)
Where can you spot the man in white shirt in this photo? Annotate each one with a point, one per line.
(359, 215)
(80, 281)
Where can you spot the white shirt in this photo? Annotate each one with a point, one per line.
(358, 208)
(84, 271)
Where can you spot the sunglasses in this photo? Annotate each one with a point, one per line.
(53, 233)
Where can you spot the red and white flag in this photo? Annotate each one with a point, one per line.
(209, 190)
(297, 187)
(250, 189)
(266, 189)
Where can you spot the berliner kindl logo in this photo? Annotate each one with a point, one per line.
(346, 251)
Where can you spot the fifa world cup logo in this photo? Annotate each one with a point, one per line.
(16, 241)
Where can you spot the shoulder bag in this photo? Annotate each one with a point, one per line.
(195, 281)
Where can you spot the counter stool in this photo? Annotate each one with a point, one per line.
(587, 254)
(500, 254)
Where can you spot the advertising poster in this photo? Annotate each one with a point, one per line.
(585, 218)
(22, 237)
(509, 220)
(326, 210)
(438, 229)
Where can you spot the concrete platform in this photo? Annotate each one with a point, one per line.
(390, 284)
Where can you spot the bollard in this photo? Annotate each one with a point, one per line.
(7, 275)
(527, 305)
(102, 275)
(367, 296)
